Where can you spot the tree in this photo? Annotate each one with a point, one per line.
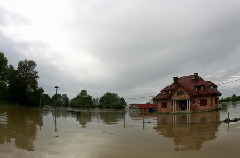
(19, 86)
(3, 68)
(234, 98)
(46, 100)
(65, 100)
(112, 101)
(15, 86)
(82, 100)
(23, 84)
(28, 78)
(56, 100)
(3, 77)
(27, 73)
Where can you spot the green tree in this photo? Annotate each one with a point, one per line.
(27, 73)
(65, 100)
(23, 84)
(112, 101)
(82, 100)
(3, 68)
(45, 99)
(234, 98)
(56, 100)
(3, 77)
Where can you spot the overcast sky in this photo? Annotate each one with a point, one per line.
(131, 47)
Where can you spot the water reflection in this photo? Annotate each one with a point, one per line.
(189, 131)
(234, 105)
(87, 116)
(84, 118)
(19, 124)
(111, 117)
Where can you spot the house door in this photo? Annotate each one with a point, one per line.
(183, 105)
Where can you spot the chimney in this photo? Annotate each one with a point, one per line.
(195, 78)
(175, 80)
(196, 75)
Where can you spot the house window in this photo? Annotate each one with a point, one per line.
(203, 102)
(164, 104)
(180, 93)
(216, 100)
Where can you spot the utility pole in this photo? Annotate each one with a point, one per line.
(55, 120)
(56, 88)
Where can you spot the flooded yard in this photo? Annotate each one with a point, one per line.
(34, 132)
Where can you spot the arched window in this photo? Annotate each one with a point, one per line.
(180, 93)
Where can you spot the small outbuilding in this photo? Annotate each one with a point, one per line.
(143, 108)
(188, 93)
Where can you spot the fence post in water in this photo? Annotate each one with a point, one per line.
(124, 120)
(143, 122)
(228, 121)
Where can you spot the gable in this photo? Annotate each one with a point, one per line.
(180, 93)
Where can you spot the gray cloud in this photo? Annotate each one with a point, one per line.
(141, 45)
(150, 42)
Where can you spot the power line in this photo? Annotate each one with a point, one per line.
(141, 97)
(227, 82)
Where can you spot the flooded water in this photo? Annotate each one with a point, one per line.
(42, 133)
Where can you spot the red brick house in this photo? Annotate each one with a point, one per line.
(188, 93)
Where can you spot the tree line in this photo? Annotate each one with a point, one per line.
(20, 86)
(84, 100)
(233, 98)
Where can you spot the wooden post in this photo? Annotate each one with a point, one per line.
(228, 121)
(124, 120)
(143, 122)
(55, 121)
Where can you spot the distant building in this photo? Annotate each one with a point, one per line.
(188, 93)
(143, 108)
(95, 101)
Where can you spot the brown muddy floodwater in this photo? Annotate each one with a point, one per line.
(33, 132)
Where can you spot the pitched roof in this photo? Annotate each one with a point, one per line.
(190, 83)
(145, 106)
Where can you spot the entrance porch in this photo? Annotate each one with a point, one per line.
(181, 105)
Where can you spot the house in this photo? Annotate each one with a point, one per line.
(188, 93)
(143, 108)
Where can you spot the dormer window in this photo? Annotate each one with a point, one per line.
(214, 87)
(180, 93)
